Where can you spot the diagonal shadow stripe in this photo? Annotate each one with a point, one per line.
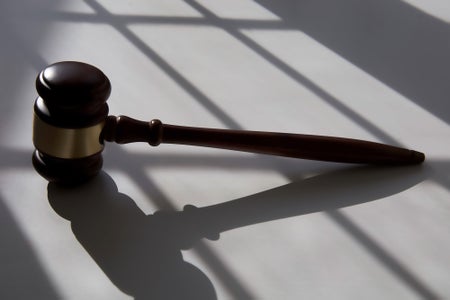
(225, 275)
(383, 256)
(214, 109)
(295, 75)
(394, 41)
(163, 65)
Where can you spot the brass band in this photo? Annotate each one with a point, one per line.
(66, 142)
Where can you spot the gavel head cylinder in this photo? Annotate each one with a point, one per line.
(69, 115)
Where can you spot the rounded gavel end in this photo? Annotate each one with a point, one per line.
(69, 115)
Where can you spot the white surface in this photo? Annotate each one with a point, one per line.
(376, 70)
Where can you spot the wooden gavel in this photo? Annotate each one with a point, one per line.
(71, 123)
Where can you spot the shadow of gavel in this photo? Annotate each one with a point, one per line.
(141, 254)
(71, 123)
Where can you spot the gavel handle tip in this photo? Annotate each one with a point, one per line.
(417, 157)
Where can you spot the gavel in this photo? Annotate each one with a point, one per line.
(71, 124)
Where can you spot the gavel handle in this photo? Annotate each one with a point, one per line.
(124, 130)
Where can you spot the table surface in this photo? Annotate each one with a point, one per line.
(263, 227)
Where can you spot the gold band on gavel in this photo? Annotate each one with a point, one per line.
(66, 142)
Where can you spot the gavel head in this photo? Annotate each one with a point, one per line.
(69, 115)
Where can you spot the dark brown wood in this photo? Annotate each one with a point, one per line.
(126, 130)
(73, 95)
(67, 171)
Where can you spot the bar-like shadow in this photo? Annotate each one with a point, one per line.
(22, 275)
(397, 43)
(141, 254)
